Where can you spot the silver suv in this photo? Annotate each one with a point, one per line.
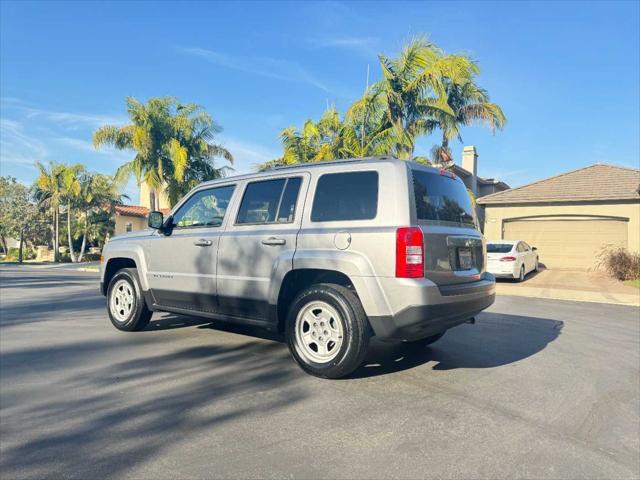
(331, 254)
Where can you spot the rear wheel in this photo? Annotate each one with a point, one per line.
(327, 331)
(125, 303)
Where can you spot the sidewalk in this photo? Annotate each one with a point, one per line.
(82, 267)
(572, 285)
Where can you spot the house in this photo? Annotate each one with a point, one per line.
(130, 218)
(570, 217)
(479, 186)
(468, 172)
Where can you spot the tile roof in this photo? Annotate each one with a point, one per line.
(136, 211)
(593, 183)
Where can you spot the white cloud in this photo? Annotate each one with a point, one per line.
(248, 155)
(18, 147)
(365, 46)
(118, 156)
(263, 66)
(64, 118)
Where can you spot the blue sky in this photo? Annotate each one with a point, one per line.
(566, 74)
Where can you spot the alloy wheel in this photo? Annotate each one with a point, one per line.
(319, 332)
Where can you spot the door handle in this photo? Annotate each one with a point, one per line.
(274, 241)
(202, 243)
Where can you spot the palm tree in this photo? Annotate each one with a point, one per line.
(173, 145)
(411, 93)
(48, 193)
(71, 188)
(469, 104)
(315, 142)
(98, 192)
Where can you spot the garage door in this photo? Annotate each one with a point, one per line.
(568, 243)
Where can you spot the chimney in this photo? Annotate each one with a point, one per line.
(470, 164)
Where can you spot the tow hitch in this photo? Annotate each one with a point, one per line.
(472, 320)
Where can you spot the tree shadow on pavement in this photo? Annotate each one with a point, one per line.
(100, 420)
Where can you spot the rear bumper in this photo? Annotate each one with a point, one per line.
(507, 270)
(445, 308)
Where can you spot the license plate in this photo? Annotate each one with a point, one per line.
(465, 258)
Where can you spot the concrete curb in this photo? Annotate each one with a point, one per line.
(571, 295)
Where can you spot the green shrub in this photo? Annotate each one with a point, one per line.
(620, 263)
(14, 253)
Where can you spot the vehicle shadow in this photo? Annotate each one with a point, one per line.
(495, 340)
(169, 321)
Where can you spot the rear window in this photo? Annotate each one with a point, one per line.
(499, 247)
(346, 196)
(442, 200)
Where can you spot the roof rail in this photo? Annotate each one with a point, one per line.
(331, 162)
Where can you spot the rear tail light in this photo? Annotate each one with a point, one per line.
(409, 253)
(508, 259)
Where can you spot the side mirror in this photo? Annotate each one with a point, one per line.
(155, 220)
(534, 248)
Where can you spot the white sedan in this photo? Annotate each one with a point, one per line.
(511, 259)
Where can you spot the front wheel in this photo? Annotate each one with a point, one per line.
(125, 303)
(520, 277)
(327, 331)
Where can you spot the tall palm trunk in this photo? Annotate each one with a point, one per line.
(71, 254)
(84, 237)
(56, 240)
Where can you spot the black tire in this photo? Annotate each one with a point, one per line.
(423, 342)
(138, 317)
(520, 278)
(355, 329)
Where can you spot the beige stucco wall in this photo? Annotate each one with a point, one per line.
(161, 197)
(495, 216)
(137, 223)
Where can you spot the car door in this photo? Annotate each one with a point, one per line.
(181, 265)
(260, 239)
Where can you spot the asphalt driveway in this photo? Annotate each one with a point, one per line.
(536, 389)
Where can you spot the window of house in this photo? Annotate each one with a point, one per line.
(152, 200)
(269, 201)
(205, 208)
(346, 196)
(128, 227)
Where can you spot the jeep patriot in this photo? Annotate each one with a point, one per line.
(330, 253)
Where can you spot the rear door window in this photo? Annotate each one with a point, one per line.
(269, 201)
(442, 200)
(346, 196)
(287, 210)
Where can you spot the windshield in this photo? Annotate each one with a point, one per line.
(499, 247)
(442, 200)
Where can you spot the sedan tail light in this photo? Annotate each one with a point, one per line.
(409, 253)
(508, 259)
